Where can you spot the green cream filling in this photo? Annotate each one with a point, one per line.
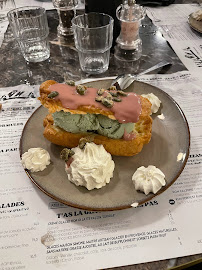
(83, 123)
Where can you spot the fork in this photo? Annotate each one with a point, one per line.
(125, 80)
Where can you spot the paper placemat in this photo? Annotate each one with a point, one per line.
(186, 42)
(42, 233)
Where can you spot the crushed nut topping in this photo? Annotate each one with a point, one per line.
(98, 99)
(109, 96)
(70, 82)
(100, 91)
(122, 93)
(117, 99)
(81, 89)
(53, 94)
(83, 141)
(114, 94)
(107, 102)
(66, 153)
(112, 87)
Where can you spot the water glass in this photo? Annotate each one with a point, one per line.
(93, 35)
(30, 29)
(5, 7)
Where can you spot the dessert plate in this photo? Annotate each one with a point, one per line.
(196, 25)
(168, 150)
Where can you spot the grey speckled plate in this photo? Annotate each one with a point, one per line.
(170, 137)
(196, 25)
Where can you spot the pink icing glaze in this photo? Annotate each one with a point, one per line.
(128, 136)
(126, 111)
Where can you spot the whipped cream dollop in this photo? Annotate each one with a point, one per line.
(161, 116)
(155, 101)
(92, 167)
(36, 159)
(197, 15)
(149, 179)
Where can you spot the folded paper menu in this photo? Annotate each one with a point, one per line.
(38, 232)
(175, 28)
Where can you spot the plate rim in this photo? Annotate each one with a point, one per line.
(150, 196)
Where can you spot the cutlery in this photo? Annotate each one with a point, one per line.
(125, 80)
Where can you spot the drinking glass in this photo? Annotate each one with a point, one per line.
(93, 35)
(30, 29)
(5, 7)
(66, 11)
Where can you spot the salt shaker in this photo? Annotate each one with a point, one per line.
(129, 44)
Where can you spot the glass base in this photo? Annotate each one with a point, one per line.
(35, 50)
(94, 62)
(128, 54)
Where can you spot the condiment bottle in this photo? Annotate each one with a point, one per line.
(66, 11)
(129, 44)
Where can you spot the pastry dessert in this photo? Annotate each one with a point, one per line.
(119, 121)
(155, 102)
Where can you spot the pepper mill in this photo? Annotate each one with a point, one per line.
(129, 44)
(66, 11)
